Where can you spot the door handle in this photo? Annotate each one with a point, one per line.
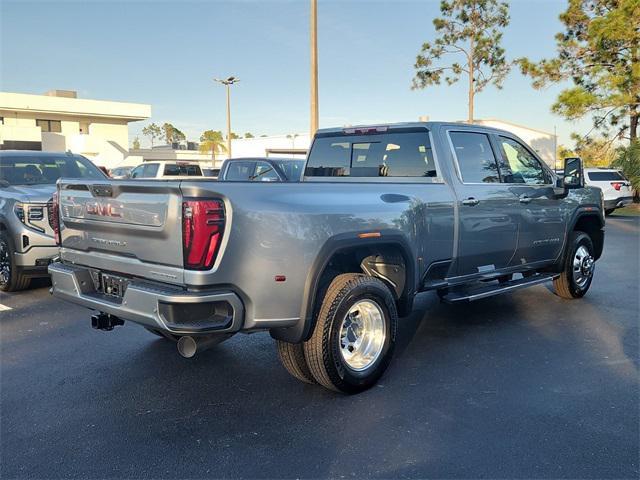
(470, 202)
(525, 199)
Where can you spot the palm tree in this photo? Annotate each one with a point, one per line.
(212, 141)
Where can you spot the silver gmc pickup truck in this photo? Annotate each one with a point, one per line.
(27, 182)
(329, 264)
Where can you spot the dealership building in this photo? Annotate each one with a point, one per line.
(59, 121)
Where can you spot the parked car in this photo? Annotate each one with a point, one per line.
(27, 183)
(166, 170)
(211, 172)
(327, 265)
(261, 169)
(119, 173)
(615, 187)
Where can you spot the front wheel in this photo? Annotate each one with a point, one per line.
(579, 266)
(355, 333)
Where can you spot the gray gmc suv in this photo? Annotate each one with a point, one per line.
(27, 183)
(328, 265)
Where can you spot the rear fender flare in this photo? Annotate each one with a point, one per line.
(304, 328)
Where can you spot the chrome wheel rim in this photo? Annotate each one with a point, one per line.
(583, 266)
(5, 264)
(362, 335)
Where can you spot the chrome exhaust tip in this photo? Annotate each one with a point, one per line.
(188, 346)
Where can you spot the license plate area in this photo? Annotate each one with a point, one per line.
(110, 285)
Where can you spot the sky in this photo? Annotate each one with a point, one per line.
(166, 53)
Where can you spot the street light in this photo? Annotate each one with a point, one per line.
(314, 67)
(228, 82)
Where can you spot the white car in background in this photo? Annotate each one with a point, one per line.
(166, 170)
(615, 187)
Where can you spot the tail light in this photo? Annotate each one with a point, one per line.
(617, 185)
(53, 213)
(202, 229)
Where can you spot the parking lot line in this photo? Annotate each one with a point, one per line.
(4, 308)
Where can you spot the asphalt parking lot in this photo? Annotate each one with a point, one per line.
(522, 385)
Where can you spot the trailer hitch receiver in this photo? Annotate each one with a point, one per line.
(105, 321)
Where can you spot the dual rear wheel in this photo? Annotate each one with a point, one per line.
(353, 340)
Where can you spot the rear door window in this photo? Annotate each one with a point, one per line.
(150, 170)
(240, 171)
(387, 155)
(475, 157)
(147, 170)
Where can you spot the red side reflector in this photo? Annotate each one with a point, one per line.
(369, 235)
(202, 229)
(280, 278)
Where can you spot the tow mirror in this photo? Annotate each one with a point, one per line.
(573, 174)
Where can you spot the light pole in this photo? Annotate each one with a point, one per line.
(228, 82)
(314, 67)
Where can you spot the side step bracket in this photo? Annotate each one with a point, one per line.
(478, 292)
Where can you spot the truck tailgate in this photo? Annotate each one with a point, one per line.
(131, 227)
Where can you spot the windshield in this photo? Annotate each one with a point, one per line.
(292, 169)
(35, 170)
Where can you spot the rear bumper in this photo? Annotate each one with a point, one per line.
(166, 309)
(617, 202)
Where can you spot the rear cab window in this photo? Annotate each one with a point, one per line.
(387, 155)
(182, 170)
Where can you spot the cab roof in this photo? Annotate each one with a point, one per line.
(391, 127)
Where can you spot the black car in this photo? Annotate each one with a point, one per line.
(261, 169)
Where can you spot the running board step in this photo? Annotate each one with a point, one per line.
(484, 291)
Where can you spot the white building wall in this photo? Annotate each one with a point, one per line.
(543, 143)
(106, 142)
(259, 146)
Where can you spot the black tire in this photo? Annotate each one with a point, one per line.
(566, 285)
(609, 211)
(11, 277)
(323, 351)
(160, 333)
(291, 357)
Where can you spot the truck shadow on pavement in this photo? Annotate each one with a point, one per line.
(480, 381)
(460, 372)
